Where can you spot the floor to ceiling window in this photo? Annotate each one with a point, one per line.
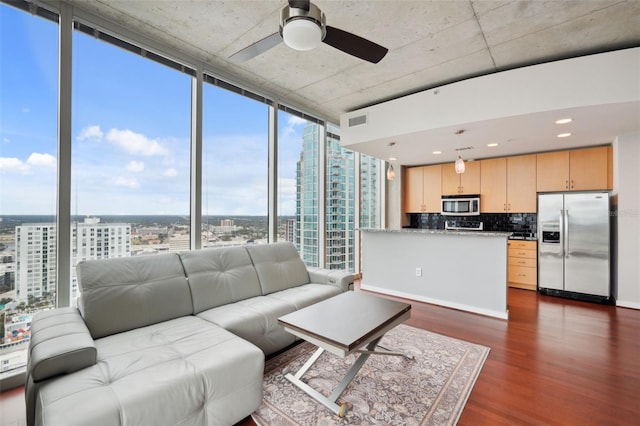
(298, 179)
(28, 162)
(131, 130)
(131, 165)
(235, 162)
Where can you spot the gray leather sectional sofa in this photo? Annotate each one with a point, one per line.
(170, 339)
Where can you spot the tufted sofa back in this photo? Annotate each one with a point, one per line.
(121, 294)
(218, 276)
(278, 265)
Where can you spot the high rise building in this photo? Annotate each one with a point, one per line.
(36, 252)
(339, 198)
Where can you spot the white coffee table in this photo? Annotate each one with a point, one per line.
(342, 325)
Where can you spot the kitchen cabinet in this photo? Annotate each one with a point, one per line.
(521, 184)
(493, 185)
(423, 189)
(461, 184)
(508, 184)
(574, 170)
(522, 270)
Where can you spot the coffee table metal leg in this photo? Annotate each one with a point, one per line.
(330, 402)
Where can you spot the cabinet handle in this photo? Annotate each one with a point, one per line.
(505, 207)
(566, 184)
(522, 275)
(522, 262)
(572, 184)
(508, 207)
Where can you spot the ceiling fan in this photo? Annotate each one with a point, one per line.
(303, 27)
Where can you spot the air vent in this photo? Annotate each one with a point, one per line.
(464, 148)
(358, 121)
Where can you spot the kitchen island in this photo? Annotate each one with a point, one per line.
(465, 270)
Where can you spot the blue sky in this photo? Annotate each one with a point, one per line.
(130, 130)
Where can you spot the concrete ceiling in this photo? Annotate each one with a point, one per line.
(430, 43)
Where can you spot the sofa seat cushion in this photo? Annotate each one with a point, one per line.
(306, 295)
(178, 372)
(256, 320)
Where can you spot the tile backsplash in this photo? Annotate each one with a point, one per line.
(505, 222)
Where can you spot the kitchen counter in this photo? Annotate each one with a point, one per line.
(443, 232)
(465, 270)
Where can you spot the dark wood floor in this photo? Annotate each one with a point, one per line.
(555, 361)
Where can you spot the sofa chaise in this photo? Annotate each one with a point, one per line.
(169, 339)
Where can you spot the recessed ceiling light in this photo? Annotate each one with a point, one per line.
(564, 135)
(437, 152)
(492, 144)
(564, 120)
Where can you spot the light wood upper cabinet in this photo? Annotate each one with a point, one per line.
(521, 184)
(588, 169)
(493, 185)
(574, 170)
(463, 183)
(423, 189)
(553, 171)
(508, 185)
(413, 190)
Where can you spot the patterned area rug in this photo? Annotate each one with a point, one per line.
(431, 389)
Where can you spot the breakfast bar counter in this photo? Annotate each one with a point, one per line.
(465, 270)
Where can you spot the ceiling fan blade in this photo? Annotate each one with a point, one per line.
(354, 45)
(299, 4)
(256, 48)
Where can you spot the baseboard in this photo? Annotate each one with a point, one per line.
(627, 304)
(457, 306)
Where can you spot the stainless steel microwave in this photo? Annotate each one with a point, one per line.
(460, 205)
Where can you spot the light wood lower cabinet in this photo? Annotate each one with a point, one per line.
(522, 267)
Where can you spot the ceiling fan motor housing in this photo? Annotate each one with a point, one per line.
(301, 30)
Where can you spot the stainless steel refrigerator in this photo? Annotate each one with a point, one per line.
(573, 245)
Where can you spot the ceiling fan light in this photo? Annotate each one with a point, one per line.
(459, 165)
(302, 34)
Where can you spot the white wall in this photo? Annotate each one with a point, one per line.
(551, 86)
(466, 272)
(627, 185)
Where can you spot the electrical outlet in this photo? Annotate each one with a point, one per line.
(418, 272)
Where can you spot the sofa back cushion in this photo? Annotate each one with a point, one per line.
(218, 276)
(278, 265)
(121, 294)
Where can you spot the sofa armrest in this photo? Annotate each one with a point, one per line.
(60, 344)
(339, 278)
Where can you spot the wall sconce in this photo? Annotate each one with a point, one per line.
(391, 172)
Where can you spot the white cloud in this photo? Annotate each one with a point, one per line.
(41, 160)
(135, 166)
(292, 122)
(90, 133)
(165, 200)
(135, 143)
(26, 109)
(12, 164)
(170, 173)
(5, 140)
(126, 182)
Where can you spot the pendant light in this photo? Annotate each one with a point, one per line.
(459, 164)
(391, 172)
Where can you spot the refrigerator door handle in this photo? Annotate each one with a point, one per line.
(562, 232)
(566, 233)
